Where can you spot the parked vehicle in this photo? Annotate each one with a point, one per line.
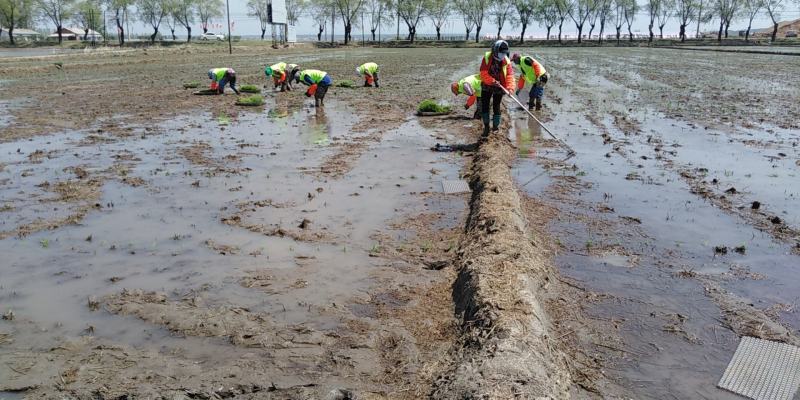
(791, 34)
(212, 36)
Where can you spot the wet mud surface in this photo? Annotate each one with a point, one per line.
(678, 217)
(193, 249)
(164, 245)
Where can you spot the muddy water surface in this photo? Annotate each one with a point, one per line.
(225, 210)
(637, 228)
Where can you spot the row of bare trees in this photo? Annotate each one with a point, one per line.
(549, 14)
(88, 14)
(586, 15)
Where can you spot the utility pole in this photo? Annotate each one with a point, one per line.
(362, 28)
(333, 23)
(228, 9)
(105, 34)
(91, 26)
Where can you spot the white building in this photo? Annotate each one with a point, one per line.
(76, 34)
(20, 35)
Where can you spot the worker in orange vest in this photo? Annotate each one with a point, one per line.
(497, 79)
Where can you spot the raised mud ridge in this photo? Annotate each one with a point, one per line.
(505, 350)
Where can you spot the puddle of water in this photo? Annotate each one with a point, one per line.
(154, 237)
(528, 173)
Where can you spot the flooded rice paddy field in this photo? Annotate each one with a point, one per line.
(215, 251)
(680, 212)
(174, 246)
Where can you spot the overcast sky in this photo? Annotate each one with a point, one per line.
(246, 25)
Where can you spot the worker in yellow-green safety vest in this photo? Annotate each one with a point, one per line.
(534, 73)
(370, 72)
(470, 86)
(318, 83)
(282, 74)
(221, 77)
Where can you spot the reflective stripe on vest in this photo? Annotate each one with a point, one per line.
(472, 80)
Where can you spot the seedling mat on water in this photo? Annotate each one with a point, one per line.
(763, 370)
(455, 186)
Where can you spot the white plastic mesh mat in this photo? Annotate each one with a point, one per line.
(455, 186)
(763, 370)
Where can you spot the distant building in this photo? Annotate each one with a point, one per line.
(784, 27)
(20, 34)
(76, 34)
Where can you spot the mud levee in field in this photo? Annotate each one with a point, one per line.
(505, 350)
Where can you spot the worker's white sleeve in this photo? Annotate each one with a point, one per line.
(468, 89)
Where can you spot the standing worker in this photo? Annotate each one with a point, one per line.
(221, 77)
(497, 78)
(370, 72)
(280, 76)
(471, 86)
(534, 73)
(317, 82)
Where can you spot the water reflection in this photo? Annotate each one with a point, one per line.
(278, 112)
(319, 128)
(526, 130)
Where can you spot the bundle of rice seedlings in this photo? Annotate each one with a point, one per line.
(254, 100)
(250, 89)
(431, 106)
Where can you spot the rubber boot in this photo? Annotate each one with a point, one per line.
(316, 102)
(495, 122)
(485, 124)
(538, 104)
(477, 114)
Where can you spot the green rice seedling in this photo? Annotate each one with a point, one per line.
(432, 106)
(250, 89)
(252, 101)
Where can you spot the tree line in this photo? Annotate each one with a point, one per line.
(548, 14)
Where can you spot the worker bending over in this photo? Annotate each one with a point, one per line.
(534, 73)
(470, 86)
(497, 78)
(317, 82)
(221, 77)
(370, 72)
(282, 74)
